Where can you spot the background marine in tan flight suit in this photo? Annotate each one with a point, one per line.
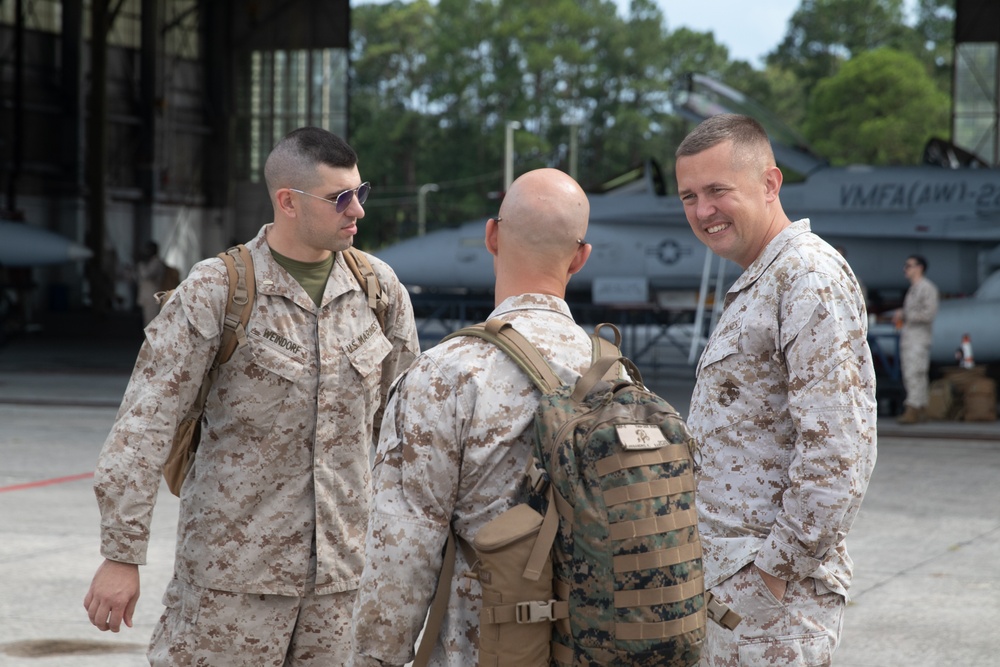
(916, 320)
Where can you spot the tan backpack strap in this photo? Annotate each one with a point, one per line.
(239, 303)
(363, 272)
(542, 550)
(599, 371)
(439, 606)
(530, 360)
(602, 347)
(507, 338)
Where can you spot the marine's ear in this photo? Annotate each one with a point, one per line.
(580, 258)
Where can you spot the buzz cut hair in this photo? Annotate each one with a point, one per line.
(293, 160)
(751, 145)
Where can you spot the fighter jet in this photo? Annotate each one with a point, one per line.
(643, 245)
(947, 210)
(978, 316)
(22, 244)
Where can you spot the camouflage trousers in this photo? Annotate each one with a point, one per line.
(801, 630)
(201, 626)
(915, 363)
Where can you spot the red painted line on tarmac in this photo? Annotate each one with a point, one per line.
(46, 482)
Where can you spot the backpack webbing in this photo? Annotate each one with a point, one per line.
(239, 303)
(359, 265)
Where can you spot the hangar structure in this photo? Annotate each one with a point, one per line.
(123, 121)
(976, 79)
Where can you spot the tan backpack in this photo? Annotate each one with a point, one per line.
(602, 563)
(239, 304)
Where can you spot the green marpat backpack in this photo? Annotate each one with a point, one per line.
(627, 556)
(613, 465)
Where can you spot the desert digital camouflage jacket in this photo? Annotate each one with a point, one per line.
(454, 447)
(784, 414)
(286, 439)
(920, 306)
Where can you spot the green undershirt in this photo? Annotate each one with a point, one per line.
(312, 276)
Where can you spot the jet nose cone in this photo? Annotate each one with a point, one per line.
(22, 244)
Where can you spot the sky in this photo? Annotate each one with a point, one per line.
(749, 29)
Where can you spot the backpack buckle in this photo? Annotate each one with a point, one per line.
(537, 477)
(720, 612)
(534, 611)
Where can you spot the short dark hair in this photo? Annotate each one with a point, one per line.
(322, 146)
(921, 260)
(293, 160)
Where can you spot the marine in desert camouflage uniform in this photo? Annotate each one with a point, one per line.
(916, 321)
(783, 409)
(456, 440)
(272, 517)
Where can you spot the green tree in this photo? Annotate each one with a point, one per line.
(824, 34)
(935, 30)
(389, 128)
(433, 87)
(880, 108)
(777, 89)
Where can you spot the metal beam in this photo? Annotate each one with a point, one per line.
(72, 77)
(96, 154)
(18, 122)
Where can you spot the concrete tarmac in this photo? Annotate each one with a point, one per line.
(926, 544)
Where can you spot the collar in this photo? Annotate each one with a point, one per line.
(523, 302)
(770, 253)
(275, 280)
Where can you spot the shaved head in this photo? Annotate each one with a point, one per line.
(538, 238)
(545, 213)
